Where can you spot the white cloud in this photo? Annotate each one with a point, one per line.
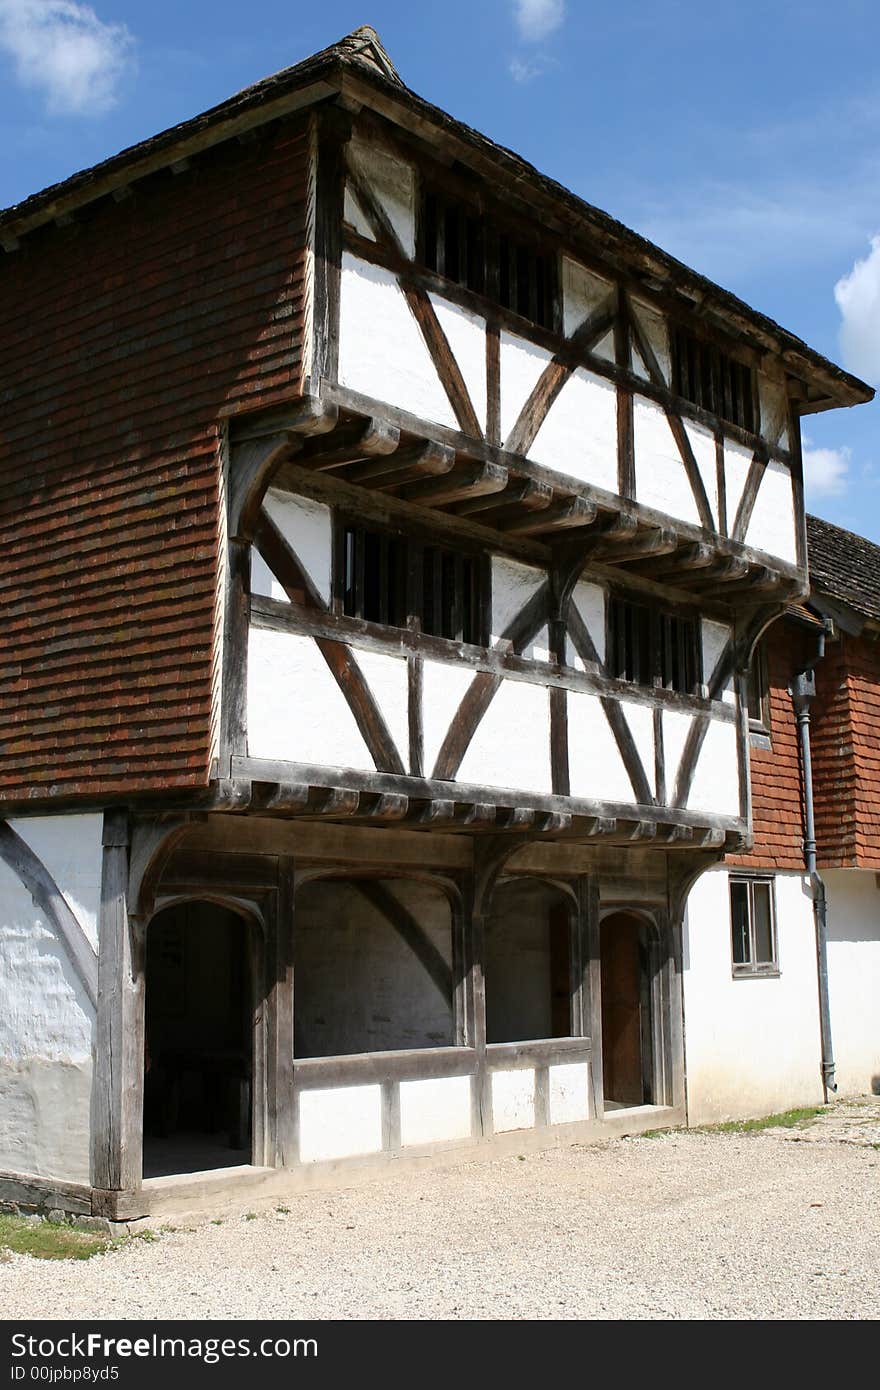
(62, 49)
(858, 299)
(535, 19)
(526, 70)
(826, 471)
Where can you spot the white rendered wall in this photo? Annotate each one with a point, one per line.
(513, 1099)
(854, 977)
(568, 1099)
(771, 527)
(579, 435)
(511, 747)
(434, 1112)
(382, 353)
(392, 182)
(661, 482)
(752, 1043)
(46, 1019)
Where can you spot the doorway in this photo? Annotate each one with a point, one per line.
(199, 1041)
(627, 1046)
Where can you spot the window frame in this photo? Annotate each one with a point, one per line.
(491, 226)
(413, 547)
(752, 968)
(658, 643)
(757, 680)
(720, 375)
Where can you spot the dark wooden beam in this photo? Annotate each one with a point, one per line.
(418, 460)
(375, 439)
(563, 516)
(472, 480)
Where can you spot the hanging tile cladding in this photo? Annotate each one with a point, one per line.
(775, 772)
(124, 337)
(846, 750)
(845, 745)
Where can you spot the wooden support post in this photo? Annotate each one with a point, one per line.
(280, 1079)
(588, 910)
(118, 1083)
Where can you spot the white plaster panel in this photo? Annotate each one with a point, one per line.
(772, 524)
(752, 1044)
(854, 977)
(263, 580)
(520, 366)
(46, 1019)
(436, 1110)
(569, 1093)
(340, 1123)
(382, 353)
(702, 442)
(676, 727)
(354, 216)
(466, 335)
(715, 638)
(513, 1099)
(579, 434)
(582, 293)
(388, 680)
(661, 481)
(715, 786)
(307, 527)
(513, 584)
(654, 329)
(511, 747)
(737, 462)
(70, 848)
(392, 182)
(589, 599)
(295, 709)
(774, 411)
(596, 768)
(640, 719)
(605, 346)
(444, 684)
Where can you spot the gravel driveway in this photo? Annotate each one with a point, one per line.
(776, 1224)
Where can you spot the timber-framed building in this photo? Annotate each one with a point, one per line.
(386, 535)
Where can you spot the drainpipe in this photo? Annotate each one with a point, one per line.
(803, 691)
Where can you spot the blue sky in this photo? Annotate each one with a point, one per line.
(744, 139)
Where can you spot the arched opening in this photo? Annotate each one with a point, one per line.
(375, 967)
(199, 1040)
(627, 1011)
(529, 975)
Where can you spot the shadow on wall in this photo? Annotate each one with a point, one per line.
(875, 1085)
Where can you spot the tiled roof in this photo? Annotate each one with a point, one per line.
(844, 566)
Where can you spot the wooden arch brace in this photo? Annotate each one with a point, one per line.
(254, 460)
(35, 877)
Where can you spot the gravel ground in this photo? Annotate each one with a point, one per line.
(776, 1224)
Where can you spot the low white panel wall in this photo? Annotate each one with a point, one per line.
(568, 1098)
(432, 1112)
(752, 1043)
(295, 709)
(513, 1100)
(854, 977)
(308, 529)
(382, 352)
(596, 768)
(772, 525)
(339, 1123)
(521, 365)
(661, 481)
(444, 685)
(511, 747)
(579, 435)
(46, 1019)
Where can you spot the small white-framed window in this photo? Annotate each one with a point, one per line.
(753, 926)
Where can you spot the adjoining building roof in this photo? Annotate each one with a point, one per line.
(844, 567)
(359, 61)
